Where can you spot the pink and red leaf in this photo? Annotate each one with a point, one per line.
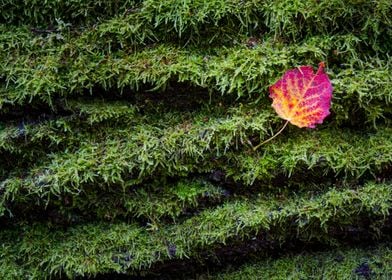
(303, 97)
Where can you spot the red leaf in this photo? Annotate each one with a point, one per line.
(303, 97)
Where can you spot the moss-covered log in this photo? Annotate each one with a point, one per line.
(127, 131)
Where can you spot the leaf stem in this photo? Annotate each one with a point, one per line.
(269, 139)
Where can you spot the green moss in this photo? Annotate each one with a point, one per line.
(345, 263)
(52, 12)
(239, 71)
(176, 152)
(116, 116)
(191, 18)
(155, 204)
(97, 248)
